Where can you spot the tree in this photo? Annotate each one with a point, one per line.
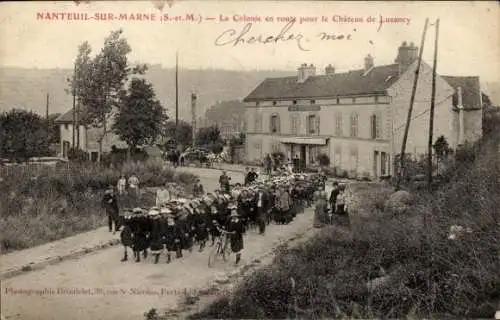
(141, 117)
(441, 148)
(99, 82)
(210, 137)
(184, 134)
(23, 135)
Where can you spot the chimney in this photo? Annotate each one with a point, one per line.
(368, 62)
(329, 70)
(407, 54)
(305, 72)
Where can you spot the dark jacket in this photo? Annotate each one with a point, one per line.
(333, 195)
(110, 204)
(236, 238)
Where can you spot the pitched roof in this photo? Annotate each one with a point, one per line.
(377, 80)
(471, 91)
(67, 117)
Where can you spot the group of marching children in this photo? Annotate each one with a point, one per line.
(181, 224)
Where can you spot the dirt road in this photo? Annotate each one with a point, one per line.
(99, 286)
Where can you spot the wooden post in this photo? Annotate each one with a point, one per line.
(176, 94)
(74, 106)
(47, 116)
(193, 113)
(433, 105)
(412, 100)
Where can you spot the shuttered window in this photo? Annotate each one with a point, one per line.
(376, 126)
(275, 123)
(338, 124)
(354, 124)
(313, 125)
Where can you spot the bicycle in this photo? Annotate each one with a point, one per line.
(220, 250)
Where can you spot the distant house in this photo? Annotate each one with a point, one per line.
(89, 136)
(358, 117)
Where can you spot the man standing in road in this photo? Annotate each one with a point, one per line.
(333, 196)
(224, 182)
(268, 162)
(110, 204)
(262, 205)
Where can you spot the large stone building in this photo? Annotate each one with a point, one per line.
(357, 118)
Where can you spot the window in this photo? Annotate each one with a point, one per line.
(383, 163)
(257, 104)
(354, 124)
(353, 158)
(312, 124)
(65, 126)
(338, 100)
(258, 121)
(294, 124)
(294, 101)
(337, 155)
(376, 99)
(353, 100)
(375, 124)
(313, 101)
(275, 123)
(276, 147)
(338, 124)
(258, 149)
(274, 103)
(313, 154)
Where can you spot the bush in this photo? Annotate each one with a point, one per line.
(390, 266)
(43, 204)
(77, 155)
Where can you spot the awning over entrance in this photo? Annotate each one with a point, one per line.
(301, 140)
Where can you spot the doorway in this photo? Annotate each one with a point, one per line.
(302, 157)
(375, 164)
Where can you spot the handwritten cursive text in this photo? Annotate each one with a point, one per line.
(235, 38)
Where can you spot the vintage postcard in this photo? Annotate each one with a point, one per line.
(249, 159)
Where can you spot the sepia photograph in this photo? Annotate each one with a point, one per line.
(249, 159)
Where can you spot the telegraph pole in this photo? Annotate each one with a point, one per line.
(74, 105)
(47, 116)
(412, 100)
(193, 114)
(176, 93)
(433, 105)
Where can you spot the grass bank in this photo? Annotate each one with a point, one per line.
(47, 204)
(392, 264)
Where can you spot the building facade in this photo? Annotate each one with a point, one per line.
(358, 118)
(89, 137)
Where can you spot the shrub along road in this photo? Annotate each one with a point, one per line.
(99, 286)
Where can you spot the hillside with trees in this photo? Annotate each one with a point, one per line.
(25, 88)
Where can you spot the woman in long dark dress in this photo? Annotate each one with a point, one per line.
(236, 230)
(155, 238)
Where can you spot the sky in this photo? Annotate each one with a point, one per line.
(469, 34)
